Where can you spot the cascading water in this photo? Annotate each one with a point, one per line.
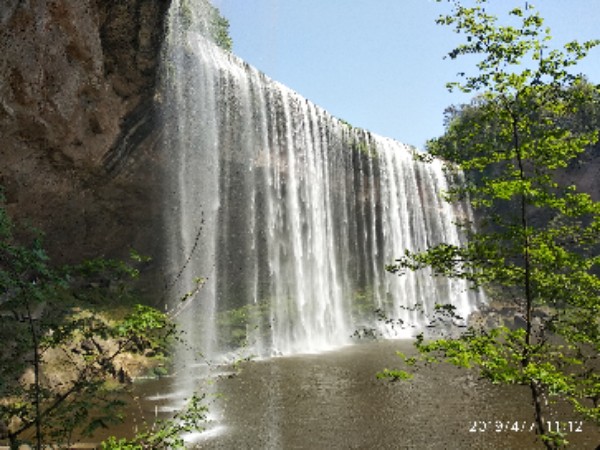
(288, 213)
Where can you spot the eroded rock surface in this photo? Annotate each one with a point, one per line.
(78, 130)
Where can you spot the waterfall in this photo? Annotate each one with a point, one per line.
(288, 214)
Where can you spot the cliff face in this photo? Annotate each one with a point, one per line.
(78, 153)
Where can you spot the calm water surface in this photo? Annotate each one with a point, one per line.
(334, 401)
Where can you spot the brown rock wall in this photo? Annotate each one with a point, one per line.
(78, 129)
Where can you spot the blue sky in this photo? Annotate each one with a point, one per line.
(378, 64)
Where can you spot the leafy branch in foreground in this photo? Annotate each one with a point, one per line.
(536, 242)
(68, 336)
(166, 434)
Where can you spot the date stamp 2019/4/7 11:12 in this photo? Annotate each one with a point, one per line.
(499, 426)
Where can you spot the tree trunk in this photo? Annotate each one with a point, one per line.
(36, 380)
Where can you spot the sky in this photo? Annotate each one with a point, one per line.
(379, 64)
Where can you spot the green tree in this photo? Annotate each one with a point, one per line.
(220, 31)
(536, 241)
(65, 334)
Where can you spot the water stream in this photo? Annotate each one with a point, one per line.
(288, 214)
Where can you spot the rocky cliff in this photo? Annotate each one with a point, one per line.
(79, 156)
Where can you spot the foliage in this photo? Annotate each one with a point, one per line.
(363, 304)
(165, 434)
(394, 374)
(61, 364)
(537, 240)
(208, 19)
(243, 323)
(220, 32)
(365, 148)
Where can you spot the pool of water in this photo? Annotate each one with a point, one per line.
(333, 400)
